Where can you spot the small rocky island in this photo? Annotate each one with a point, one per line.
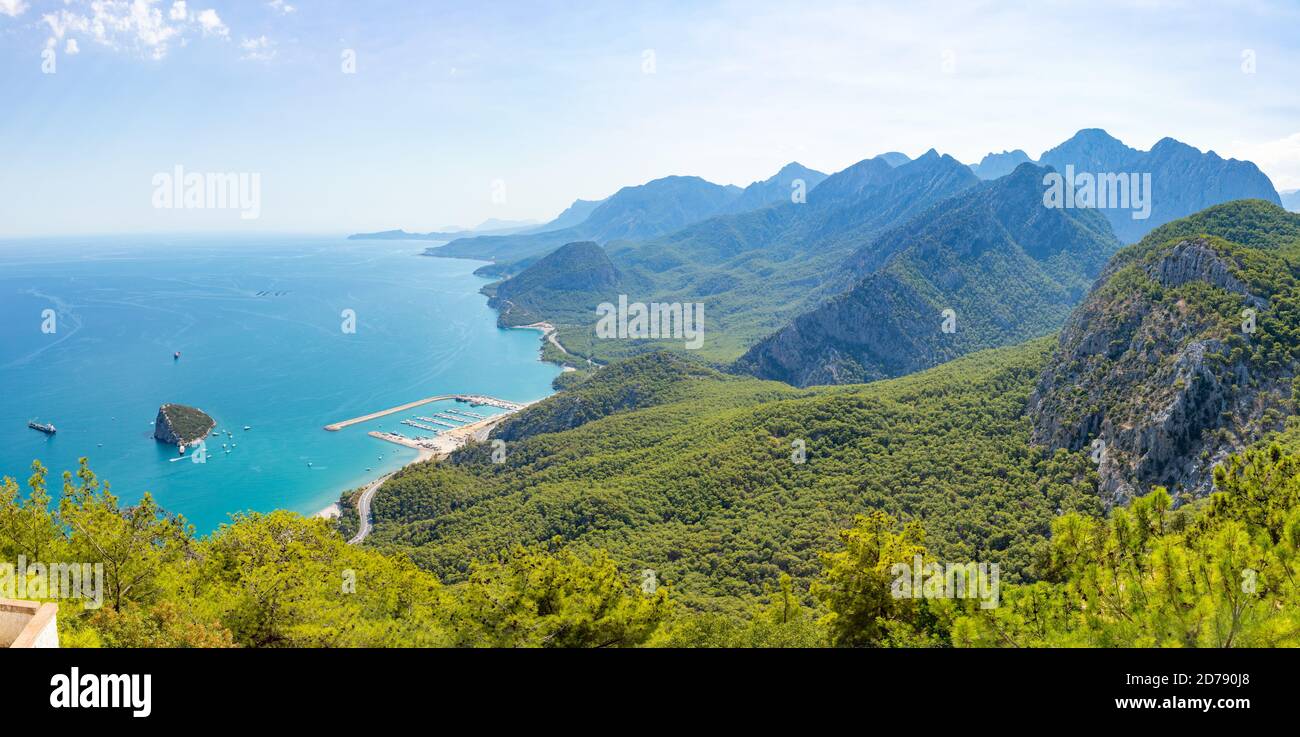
(181, 425)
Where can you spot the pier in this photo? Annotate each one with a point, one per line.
(439, 419)
(473, 399)
(479, 399)
(412, 423)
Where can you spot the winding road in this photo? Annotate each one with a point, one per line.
(363, 508)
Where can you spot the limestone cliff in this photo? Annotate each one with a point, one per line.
(1184, 352)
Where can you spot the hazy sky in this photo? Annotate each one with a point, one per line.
(546, 102)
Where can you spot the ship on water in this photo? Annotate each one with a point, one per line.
(46, 428)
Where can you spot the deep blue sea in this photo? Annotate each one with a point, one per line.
(259, 325)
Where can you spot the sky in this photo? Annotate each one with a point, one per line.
(359, 116)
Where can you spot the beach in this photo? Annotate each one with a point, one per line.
(445, 442)
(439, 446)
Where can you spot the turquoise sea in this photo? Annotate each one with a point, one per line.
(259, 324)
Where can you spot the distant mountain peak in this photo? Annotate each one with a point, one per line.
(994, 165)
(793, 166)
(1094, 134)
(1183, 179)
(776, 188)
(894, 158)
(1167, 144)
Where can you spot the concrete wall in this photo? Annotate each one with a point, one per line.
(28, 624)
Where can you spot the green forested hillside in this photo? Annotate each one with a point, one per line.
(704, 487)
(644, 381)
(573, 278)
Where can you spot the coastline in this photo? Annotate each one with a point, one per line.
(548, 334)
(452, 439)
(440, 446)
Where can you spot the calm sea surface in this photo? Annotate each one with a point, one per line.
(259, 322)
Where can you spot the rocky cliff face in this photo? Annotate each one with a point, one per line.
(177, 424)
(1160, 375)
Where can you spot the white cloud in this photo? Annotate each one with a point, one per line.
(14, 8)
(258, 49)
(211, 23)
(71, 47)
(136, 25)
(63, 21)
(282, 6)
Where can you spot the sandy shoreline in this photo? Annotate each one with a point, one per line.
(450, 440)
(439, 446)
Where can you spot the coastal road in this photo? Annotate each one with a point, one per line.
(363, 508)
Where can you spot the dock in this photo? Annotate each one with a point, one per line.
(473, 399)
(479, 399)
(438, 419)
(419, 426)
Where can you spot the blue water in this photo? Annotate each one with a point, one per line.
(279, 362)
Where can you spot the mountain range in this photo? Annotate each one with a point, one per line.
(755, 270)
(668, 464)
(1291, 200)
(1184, 180)
(638, 213)
(809, 278)
(1006, 267)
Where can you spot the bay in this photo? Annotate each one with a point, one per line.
(261, 326)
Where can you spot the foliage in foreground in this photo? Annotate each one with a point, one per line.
(282, 580)
(1221, 573)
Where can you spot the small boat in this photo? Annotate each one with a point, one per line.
(176, 356)
(248, 427)
(47, 428)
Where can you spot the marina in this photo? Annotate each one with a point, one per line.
(436, 421)
(474, 400)
(420, 426)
